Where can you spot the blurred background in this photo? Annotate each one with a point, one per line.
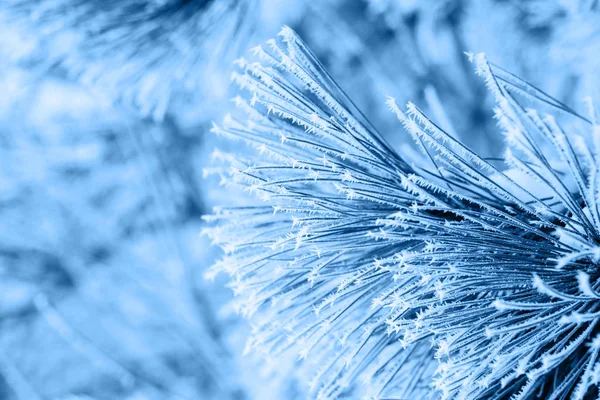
(105, 116)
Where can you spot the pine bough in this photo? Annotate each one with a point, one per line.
(452, 276)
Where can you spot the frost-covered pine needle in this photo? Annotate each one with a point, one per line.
(462, 278)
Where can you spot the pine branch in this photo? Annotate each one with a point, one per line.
(360, 262)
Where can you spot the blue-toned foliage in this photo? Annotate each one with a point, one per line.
(154, 55)
(370, 269)
(98, 295)
(451, 275)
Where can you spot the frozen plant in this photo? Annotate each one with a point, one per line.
(450, 275)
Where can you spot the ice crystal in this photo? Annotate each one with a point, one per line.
(452, 275)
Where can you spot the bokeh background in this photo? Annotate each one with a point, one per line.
(106, 152)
